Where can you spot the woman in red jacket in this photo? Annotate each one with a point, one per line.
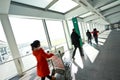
(42, 64)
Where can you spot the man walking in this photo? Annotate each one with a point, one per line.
(89, 36)
(76, 42)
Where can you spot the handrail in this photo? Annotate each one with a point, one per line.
(35, 66)
(25, 56)
(19, 57)
(14, 59)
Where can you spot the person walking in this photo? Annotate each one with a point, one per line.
(95, 35)
(41, 57)
(75, 38)
(89, 36)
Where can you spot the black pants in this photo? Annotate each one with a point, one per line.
(49, 77)
(96, 40)
(89, 41)
(80, 50)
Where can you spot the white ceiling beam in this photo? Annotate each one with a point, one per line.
(75, 12)
(111, 10)
(91, 18)
(17, 9)
(52, 3)
(4, 6)
(100, 21)
(109, 5)
(90, 8)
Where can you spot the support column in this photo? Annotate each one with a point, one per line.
(11, 42)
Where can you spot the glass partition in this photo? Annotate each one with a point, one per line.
(70, 26)
(26, 30)
(7, 70)
(56, 32)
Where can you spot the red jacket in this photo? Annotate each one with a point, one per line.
(42, 64)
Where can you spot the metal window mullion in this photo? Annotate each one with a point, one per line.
(47, 34)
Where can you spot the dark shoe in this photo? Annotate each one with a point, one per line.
(82, 55)
(73, 58)
(53, 78)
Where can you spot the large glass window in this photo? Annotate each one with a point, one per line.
(26, 30)
(70, 26)
(56, 32)
(5, 55)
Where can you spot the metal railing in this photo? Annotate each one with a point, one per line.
(29, 55)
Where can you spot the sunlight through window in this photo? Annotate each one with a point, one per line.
(78, 60)
(91, 52)
(74, 68)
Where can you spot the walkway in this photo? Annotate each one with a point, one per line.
(101, 62)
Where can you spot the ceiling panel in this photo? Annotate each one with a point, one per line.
(109, 5)
(63, 6)
(76, 12)
(114, 18)
(90, 18)
(99, 3)
(100, 21)
(75, 8)
(108, 9)
(36, 3)
(111, 11)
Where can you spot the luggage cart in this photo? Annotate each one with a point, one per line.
(60, 67)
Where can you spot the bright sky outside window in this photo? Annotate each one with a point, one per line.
(63, 5)
(91, 52)
(56, 33)
(27, 30)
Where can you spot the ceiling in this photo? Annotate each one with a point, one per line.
(100, 11)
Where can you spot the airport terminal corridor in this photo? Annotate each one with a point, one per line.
(53, 23)
(101, 62)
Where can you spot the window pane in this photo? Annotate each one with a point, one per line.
(27, 30)
(56, 32)
(5, 55)
(83, 25)
(70, 26)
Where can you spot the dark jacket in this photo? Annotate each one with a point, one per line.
(89, 35)
(75, 39)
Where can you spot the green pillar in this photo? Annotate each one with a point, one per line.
(75, 24)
